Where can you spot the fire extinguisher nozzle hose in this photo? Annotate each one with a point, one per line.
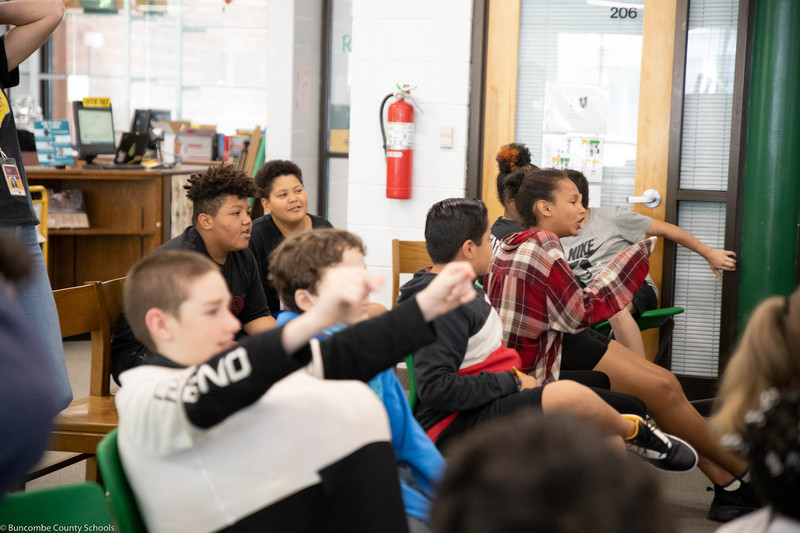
(380, 118)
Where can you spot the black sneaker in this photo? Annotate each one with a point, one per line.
(730, 504)
(663, 451)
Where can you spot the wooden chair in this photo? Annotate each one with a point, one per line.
(407, 257)
(91, 308)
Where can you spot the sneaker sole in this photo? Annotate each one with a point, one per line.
(727, 513)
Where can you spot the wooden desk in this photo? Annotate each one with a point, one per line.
(130, 214)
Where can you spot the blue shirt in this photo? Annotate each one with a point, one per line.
(420, 462)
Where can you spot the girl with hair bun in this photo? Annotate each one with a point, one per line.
(510, 157)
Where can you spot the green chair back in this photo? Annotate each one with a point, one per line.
(120, 494)
(412, 383)
(67, 505)
(655, 318)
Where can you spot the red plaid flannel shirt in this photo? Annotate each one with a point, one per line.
(539, 299)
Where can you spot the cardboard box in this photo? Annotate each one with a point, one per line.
(184, 142)
(196, 143)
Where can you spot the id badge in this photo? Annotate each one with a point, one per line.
(13, 178)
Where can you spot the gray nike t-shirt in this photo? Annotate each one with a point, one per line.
(609, 231)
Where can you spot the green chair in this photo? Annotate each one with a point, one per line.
(412, 383)
(67, 505)
(123, 502)
(655, 318)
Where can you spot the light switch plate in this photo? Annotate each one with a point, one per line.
(445, 136)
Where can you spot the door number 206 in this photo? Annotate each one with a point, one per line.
(623, 13)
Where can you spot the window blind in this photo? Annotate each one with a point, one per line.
(576, 41)
(695, 344)
(708, 94)
(705, 150)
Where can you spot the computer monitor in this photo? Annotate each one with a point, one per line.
(94, 130)
(142, 122)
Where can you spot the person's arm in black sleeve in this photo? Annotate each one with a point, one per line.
(126, 350)
(363, 350)
(236, 378)
(439, 385)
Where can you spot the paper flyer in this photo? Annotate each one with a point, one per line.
(53, 145)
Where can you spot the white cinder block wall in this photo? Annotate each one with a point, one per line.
(293, 89)
(423, 44)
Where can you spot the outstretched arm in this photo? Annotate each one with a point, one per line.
(718, 260)
(33, 21)
(345, 288)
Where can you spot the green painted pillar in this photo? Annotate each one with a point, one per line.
(772, 172)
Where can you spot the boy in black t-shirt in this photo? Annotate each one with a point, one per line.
(220, 230)
(280, 185)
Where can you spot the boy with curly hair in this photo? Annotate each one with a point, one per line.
(280, 186)
(220, 230)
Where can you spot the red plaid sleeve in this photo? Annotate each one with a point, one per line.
(538, 297)
(571, 308)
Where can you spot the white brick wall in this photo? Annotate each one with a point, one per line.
(294, 55)
(427, 45)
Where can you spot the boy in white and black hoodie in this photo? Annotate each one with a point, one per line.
(467, 376)
(219, 436)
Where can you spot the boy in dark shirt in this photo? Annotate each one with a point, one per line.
(220, 230)
(280, 185)
(218, 436)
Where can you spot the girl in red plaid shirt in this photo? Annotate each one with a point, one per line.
(539, 300)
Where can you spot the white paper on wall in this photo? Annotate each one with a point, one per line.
(595, 191)
(575, 107)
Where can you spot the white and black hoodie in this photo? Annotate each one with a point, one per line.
(253, 440)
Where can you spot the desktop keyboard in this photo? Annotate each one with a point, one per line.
(114, 166)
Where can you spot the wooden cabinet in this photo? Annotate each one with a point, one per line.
(130, 213)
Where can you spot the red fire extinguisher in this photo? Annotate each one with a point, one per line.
(398, 143)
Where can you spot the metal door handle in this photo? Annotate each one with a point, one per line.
(650, 198)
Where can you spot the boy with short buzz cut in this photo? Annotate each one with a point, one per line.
(220, 230)
(297, 266)
(468, 376)
(218, 436)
